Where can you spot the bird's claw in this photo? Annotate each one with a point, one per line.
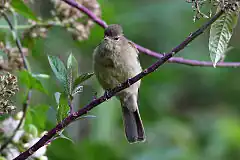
(107, 94)
(128, 83)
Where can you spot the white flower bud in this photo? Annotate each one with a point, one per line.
(17, 136)
(19, 115)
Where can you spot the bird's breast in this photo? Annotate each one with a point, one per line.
(113, 67)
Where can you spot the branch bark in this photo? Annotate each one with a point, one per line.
(72, 117)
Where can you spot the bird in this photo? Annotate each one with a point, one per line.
(115, 60)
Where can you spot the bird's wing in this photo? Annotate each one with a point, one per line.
(133, 45)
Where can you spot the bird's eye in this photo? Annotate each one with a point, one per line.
(116, 38)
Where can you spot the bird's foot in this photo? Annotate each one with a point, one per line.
(128, 83)
(107, 94)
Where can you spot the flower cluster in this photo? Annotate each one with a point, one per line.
(22, 140)
(228, 4)
(197, 5)
(75, 22)
(8, 88)
(4, 4)
(11, 58)
(37, 30)
(69, 17)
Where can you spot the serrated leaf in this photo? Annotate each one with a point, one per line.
(59, 70)
(82, 78)
(72, 72)
(31, 82)
(72, 63)
(63, 108)
(20, 7)
(220, 35)
(69, 81)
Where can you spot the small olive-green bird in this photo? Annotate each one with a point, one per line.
(115, 61)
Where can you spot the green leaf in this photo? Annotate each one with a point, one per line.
(57, 97)
(82, 78)
(72, 63)
(220, 35)
(2, 158)
(37, 115)
(63, 108)
(72, 69)
(59, 70)
(31, 82)
(20, 7)
(85, 117)
(32, 129)
(65, 137)
(44, 76)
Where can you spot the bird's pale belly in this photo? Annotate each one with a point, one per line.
(113, 69)
(111, 77)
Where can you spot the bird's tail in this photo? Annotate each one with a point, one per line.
(133, 126)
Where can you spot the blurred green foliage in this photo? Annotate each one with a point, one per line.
(189, 113)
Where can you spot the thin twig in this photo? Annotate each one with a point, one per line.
(147, 51)
(25, 105)
(72, 117)
(17, 40)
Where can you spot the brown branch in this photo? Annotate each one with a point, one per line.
(147, 51)
(72, 117)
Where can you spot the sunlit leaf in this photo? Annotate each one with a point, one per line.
(31, 82)
(57, 97)
(44, 76)
(220, 35)
(20, 7)
(72, 72)
(63, 108)
(82, 78)
(59, 70)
